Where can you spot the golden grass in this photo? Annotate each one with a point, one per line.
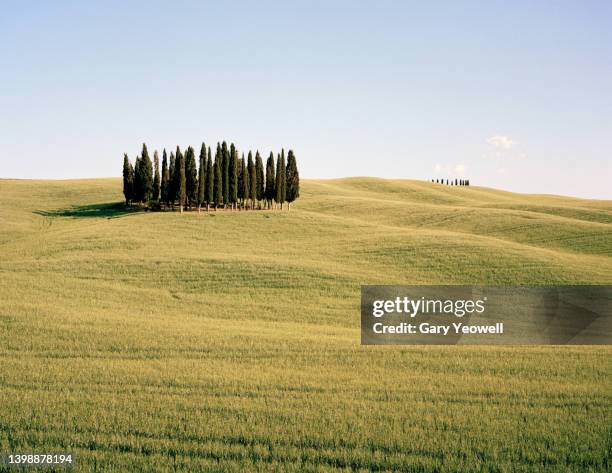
(230, 341)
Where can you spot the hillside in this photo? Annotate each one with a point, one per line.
(230, 340)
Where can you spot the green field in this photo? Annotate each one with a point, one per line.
(229, 341)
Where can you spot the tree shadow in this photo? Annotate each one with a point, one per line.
(105, 210)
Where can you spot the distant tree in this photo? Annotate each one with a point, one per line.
(177, 174)
(181, 184)
(280, 182)
(269, 192)
(202, 177)
(233, 176)
(245, 188)
(239, 180)
(210, 181)
(191, 176)
(128, 180)
(218, 181)
(259, 173)
(156, 178)
(146, 167)
(137, 192)
(225, 172)
(172, 180)
(165, 177)
(455, 181)
(292, 178)
(252, 180)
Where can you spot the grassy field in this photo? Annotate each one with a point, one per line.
(229, 341)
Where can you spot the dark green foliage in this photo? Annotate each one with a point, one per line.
(165, 177)
(280, 182)
(239, 178)
(252, 179)
(202, 176)
(245, 180)
(227, 180)
(292, 178)
(137, 194)
(241, 171)
(181, 179)
(128, 180)
(218, 181)
(210, 180)
(172, 179)
(156, 178)
(269, 192)
(225, 172)
(233, 175)
(191, 176)
(259, 173)
(146, 179)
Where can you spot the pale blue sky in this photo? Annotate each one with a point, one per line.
(516, 95)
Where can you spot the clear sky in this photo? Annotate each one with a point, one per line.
(512, 94)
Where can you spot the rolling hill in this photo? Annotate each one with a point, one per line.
(229, 341)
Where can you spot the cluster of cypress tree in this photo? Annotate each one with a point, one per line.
(226, 181)
(456, 182)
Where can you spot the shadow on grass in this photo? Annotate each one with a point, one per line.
(105, 210)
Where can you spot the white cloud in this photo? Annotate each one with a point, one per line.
(501, 142)
(449, 170)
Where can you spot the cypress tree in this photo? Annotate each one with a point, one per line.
(240, 173)
(147, 174)
(277, 180)
(233, 176)
(225, 172)
(156, 179)
(138, 186)
(280, 182)
(259, 173)
(245, 182)
(181, 182)
(269, 192)
(191, 177)
(252, 180)
(128, 179)
(210, 181)
(172, 180)
(218, 182)
(202, 177)
(165, 177)
(292, 177)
